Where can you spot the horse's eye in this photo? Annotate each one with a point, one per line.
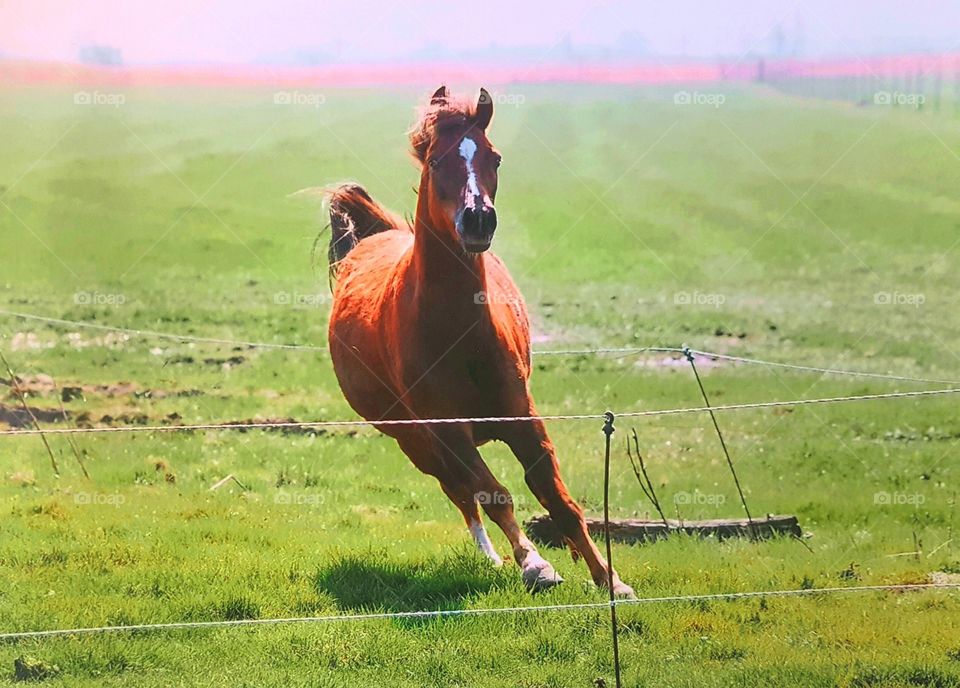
(434, 162)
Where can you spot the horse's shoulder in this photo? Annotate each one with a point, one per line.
(498, 276)
(511, 311)
(496, 268)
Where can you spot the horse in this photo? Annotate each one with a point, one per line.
(427, 323)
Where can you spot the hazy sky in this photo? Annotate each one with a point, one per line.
(243, 31)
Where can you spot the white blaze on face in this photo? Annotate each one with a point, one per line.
(479, 534)
(468, 148)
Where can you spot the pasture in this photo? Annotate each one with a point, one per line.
(788, 229)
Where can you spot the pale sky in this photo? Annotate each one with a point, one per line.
(246, 31)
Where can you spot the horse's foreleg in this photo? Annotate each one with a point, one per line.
(530, 443)
(449, 460)
(497, 502)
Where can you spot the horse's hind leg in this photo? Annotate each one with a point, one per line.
(465, 501)
(532, 446)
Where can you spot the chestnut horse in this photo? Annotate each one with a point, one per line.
(427, 323)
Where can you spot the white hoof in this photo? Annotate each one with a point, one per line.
(622, 591)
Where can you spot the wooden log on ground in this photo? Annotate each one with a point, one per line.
(542, 530)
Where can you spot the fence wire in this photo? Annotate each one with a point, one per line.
(474, 419)
(823, 371)
(617, 351)
(453, 613)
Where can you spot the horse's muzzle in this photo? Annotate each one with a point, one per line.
(476, 227)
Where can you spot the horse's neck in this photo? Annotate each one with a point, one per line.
(441, 267)
(448, 288)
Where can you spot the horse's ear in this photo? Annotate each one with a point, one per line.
(484, 109)
(439, 96)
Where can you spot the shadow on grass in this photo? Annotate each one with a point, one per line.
(371, 581)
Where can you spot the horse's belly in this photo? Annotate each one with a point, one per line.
(360, 373)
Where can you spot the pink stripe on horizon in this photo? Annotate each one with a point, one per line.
(28, 73)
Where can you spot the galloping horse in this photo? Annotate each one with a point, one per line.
(427, 323)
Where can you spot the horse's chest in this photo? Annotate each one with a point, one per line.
(478, 371)
(467, 359)
(471, 377)
(491, 378)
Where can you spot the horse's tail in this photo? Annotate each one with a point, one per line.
(354, 216)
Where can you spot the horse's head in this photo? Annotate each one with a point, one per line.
(459, 167)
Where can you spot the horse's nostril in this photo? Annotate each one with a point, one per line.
(489, 219)
(470, 220)
(477, 224)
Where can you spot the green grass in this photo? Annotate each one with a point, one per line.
(616, 208)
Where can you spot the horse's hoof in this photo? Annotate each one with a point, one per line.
(539, 575)
(622, 591)
(538, 581)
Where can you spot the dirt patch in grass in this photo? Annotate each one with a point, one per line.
(679, 361)
(29, 669)
(226, 363)
(286, 429)
(43, 385)
(31, 341)
(17, 417)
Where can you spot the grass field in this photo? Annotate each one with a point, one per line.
(795, 230)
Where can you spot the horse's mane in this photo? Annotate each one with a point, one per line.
(447, 110)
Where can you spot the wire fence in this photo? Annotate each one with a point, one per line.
(476, 419)
(689, 354)
(823, 371)
(318, 424)
(618, 351)
(455, 613)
